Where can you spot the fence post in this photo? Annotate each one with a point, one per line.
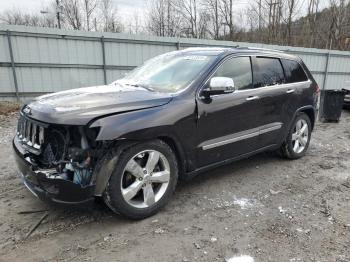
(324, 85)
(326, 71)
(104, 60)
(178, 45)
(12, 64)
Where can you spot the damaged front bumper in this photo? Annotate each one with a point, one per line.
(46, 184)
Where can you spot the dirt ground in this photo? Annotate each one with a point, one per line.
(260, 209)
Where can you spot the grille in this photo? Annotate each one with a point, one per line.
(31, 134)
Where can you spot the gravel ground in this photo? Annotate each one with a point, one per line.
(260, 209)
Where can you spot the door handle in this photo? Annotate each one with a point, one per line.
(250, 98)
(289, 91)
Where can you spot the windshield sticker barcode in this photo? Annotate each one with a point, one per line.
(197, 58)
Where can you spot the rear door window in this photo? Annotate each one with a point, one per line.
(267, 71)
(293, 71)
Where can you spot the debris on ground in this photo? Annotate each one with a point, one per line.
(81, 248)
(346, 183)
(243, 203)
(32, 211)
(37, 225)
(304, 176)
(325, 166)
(213, 239)
(326, 209)
(275, 192)
(306, 231)
(159, 231)
(281, 210)
(197, 245)
(108, 238)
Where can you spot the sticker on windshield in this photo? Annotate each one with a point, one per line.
(196, 57)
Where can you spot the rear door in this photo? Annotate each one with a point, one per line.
(275, 98)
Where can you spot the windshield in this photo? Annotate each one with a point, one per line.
(170, 73)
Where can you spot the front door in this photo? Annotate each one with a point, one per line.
(227, 123)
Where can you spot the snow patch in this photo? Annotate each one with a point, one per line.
(244, 203)
(240, 259)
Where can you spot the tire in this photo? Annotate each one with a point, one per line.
(289, 149)
(134, 167)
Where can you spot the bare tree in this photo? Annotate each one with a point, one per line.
(292, 7)
(17, 17)
(310, 25)
(13, 17)
(164, 19)
(136, 25)
(157, 16)
(110, 21)
(89, 8)
(203, 23)
(274, 21)
(212, 8)
(189, 10)
(226, 8)
(72, 13)
(338, 21)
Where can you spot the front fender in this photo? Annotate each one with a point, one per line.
(176, 121)
(131, 125)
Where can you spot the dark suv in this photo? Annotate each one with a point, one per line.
(178, 114)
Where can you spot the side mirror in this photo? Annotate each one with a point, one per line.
(218, 86)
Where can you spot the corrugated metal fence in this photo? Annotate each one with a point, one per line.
(34, 61)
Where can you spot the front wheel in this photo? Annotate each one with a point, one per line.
(298, 139)
(143, 181)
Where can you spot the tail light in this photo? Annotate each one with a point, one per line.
(318, 97)
(318, 90)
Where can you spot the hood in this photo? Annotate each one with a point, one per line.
(80, 106)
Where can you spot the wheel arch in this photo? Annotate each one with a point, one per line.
(285, 149)
(105, 167)
(178, 150)
(310, 112)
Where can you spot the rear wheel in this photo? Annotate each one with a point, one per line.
(143, 181)
(298, 138)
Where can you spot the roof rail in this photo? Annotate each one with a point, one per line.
(259, 48)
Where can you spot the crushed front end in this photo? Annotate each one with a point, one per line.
(56, 162)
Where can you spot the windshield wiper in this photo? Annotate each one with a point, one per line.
(145, 87)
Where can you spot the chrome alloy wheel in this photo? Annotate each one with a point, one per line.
(145, 179)
(300, 136)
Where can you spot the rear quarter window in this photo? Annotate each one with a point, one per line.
(293, 71)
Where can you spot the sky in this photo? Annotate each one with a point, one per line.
(33, 6)
(126, 8)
